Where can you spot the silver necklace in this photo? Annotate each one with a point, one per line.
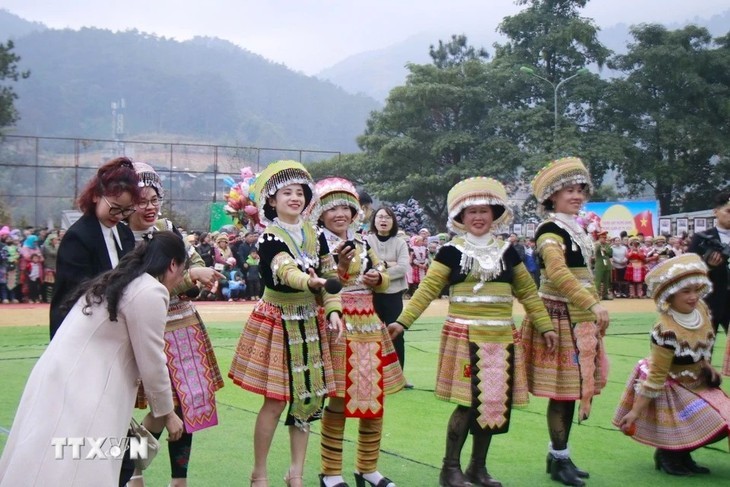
(578, 236)
(690, 321)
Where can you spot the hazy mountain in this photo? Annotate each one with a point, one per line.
(13, 26)
(205, 90)
(376, 72)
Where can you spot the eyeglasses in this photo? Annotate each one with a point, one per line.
(155, 202)
(118, 210)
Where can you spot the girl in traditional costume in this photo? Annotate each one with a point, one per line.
(193, 367)
(419, 262)
(673, 399)
(283, 353)
(577, 369)
(365, 364)
(480, 365)
(636, 268)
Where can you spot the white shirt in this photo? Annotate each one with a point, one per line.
(111, 238)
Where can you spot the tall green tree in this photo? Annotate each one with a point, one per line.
(8, 72)
(672, 110)
(433, 131)
(552, 42)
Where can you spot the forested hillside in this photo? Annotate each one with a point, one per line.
(205, 89)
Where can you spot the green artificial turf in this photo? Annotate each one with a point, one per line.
(415, 422)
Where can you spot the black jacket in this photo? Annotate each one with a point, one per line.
(717, 300)
(82, 255)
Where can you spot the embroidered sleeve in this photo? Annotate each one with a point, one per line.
(557, 271)
(660, 363)
(285, 271)
(187, 282)
(378, 266)
(327, 264)
(436, 278)
(523, 287)
(328, 270)
(331, 303)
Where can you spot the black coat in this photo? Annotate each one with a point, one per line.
(719, 299)
(82, 255)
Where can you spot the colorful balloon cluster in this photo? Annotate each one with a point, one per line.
(239, 201)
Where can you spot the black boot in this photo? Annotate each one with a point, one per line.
(692, 465)
(456, 433)
(478, 475)
(671, 462)
(561, 470)
(580, 473)
(452, 476)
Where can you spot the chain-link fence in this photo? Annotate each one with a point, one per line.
(40, 177)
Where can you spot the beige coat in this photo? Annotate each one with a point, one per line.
(85, 385)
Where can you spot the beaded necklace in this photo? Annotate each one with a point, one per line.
(305, 258)
(480, 257)
(578, 236)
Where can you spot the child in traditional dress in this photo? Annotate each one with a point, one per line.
(672, 400)
(480, 353)
(367, 355)
(283, 353)
(636, 268)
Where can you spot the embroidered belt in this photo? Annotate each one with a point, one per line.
(478, 322)
(480, 299)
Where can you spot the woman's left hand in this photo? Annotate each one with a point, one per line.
(371, 278)
(336, 324)
(551, 340)
(174, 426)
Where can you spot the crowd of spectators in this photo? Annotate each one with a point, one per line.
(28, 261)
(27, 264)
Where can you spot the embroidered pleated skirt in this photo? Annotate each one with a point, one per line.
(482, 367)
(282, 355)
(364, 361)
(681, 417)
(193, 367)
(577, 370)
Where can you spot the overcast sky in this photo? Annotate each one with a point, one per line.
(309, 35)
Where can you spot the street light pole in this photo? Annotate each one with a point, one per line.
(556, 88)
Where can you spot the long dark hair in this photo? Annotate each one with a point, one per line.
(153, 257)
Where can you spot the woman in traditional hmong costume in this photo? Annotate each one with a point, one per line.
(673, 399)
(365, 364)
(636, 268)
(578, 368)
(283, 353)
(419, 262)
(480, 365)
(661, 250)
(194, 372)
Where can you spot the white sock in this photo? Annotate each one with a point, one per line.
(332, 480)
(374, 477)
(558, 453)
